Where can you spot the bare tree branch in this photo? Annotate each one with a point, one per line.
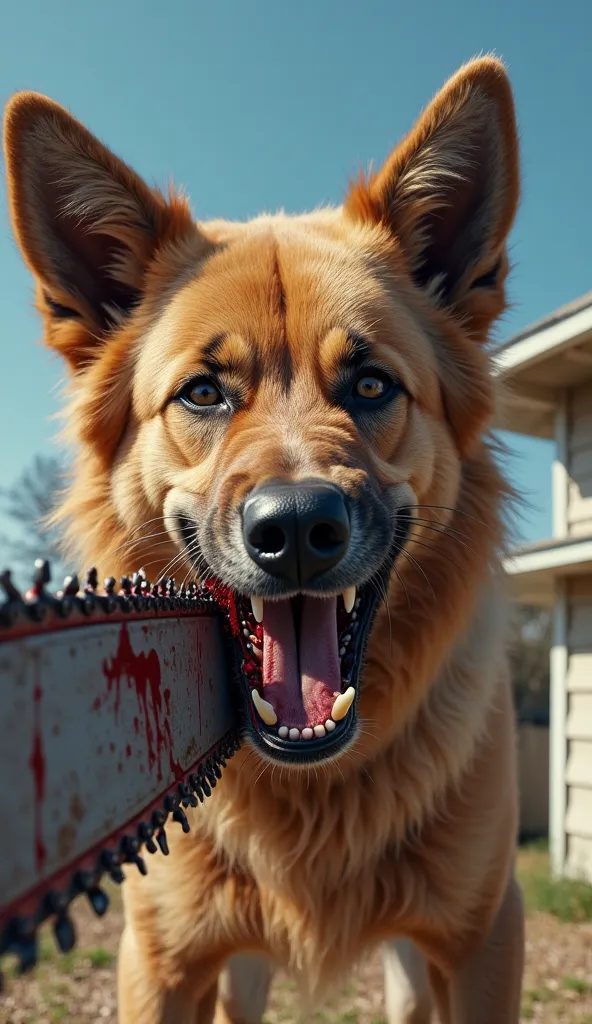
(27, 504)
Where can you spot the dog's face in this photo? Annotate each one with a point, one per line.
(282, 396)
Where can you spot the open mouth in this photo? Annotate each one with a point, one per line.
(299, 661)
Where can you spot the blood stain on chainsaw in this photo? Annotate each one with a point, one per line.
(38, 766)
(66, 839)
(77, 811)
(143, 672)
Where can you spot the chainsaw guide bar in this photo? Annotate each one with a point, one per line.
(115, 717)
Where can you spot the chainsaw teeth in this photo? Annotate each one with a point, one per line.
(92, 580)
(135, 594)
(20, 936)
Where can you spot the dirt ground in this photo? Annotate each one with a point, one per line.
(79, 988)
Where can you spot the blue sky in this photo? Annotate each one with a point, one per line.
(260, 104)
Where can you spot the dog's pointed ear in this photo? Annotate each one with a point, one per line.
(86, 224)
(448, 193)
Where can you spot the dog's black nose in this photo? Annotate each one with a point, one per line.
(296, 530)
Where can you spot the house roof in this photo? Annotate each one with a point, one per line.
(560, 314)
(532, 569)
(539, 363)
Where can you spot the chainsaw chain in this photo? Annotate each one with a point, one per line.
(136, 595)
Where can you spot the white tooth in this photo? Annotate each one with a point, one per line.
(294, 734)
(342, 704)
(307, 734)
(329, 725)
(349, 599)
(264, 709)
(257, 606)
(320, 731)
(283, 732)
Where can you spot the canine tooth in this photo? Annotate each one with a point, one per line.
(343, 704)
(307, 734)
(294, 734)
(349, 598)
(283, 732)
(257, 606)
(329, 725)
(320, 731)
(264, 708)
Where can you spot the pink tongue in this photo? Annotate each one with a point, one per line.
(301, 696)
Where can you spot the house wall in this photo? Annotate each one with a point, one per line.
(578, 728)
(579, 461)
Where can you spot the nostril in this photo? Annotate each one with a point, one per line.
(272, 540)
(324, 538)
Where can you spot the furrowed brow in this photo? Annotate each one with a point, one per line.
(228, 354)
(356, 350)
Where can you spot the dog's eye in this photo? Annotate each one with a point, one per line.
(372, 386)
(201, 394)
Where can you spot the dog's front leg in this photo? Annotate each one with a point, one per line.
(407, 991)
(142, 999)
(486, 987)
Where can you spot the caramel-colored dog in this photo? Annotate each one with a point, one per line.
(298, 408)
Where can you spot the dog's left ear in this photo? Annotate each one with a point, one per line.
(448, 193)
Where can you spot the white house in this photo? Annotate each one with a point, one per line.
(547, 373)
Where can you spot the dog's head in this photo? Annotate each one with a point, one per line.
(269, 405)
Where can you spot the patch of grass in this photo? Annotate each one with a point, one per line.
(532, 997)
(60, 988)
(58, 1012)
(99, 957)
(569, 900)
(578, 985)
(67, 962)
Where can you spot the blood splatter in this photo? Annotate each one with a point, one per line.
(142, 671)
(37, 764)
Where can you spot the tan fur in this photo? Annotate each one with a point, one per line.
(411, 832)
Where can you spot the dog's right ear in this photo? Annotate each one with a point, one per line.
(86, 224)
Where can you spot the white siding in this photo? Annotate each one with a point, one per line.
(578, 729)
(577, 862)
(579, 461)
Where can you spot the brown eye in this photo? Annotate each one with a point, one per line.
(201, 394)
(370, 387)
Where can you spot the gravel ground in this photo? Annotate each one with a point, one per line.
(79, 988)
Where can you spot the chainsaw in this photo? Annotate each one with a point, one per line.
(115, 717)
